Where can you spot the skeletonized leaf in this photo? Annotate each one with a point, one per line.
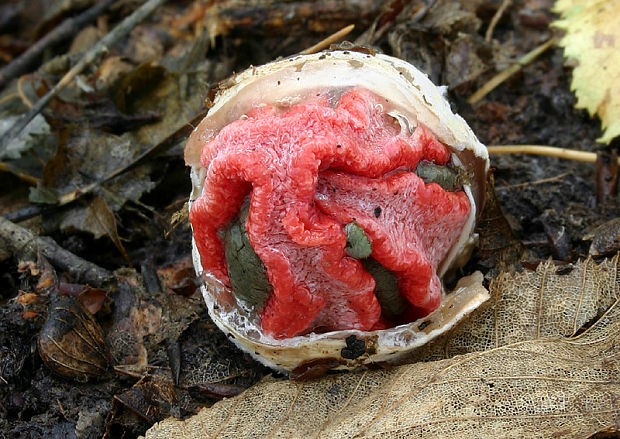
(592, 38)
(531, 382)
(551, 301)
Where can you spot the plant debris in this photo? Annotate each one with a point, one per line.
(102, 330)
(508, 377)
(71, 342)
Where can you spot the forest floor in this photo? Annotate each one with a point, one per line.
(100, 170)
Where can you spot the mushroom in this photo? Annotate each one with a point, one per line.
(331, 194)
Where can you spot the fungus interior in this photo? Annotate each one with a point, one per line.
(310, 169)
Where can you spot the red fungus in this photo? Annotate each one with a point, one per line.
(309, 170)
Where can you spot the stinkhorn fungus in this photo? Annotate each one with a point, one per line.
(332, 192)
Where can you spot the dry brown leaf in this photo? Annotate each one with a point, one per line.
(98, 219)
(102, 216)
(141, 321)
(551, 301)
(537, 383)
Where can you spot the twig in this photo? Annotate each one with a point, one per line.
(532, 183)
(495, 19)
(6, 167)
(507, 73)
(553, 151)
(581, 156)
(112, 37)
(329, 40)
(66, 29)
(20, 240)
(29, 211)
(62, 409)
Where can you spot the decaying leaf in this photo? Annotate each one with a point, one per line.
(72, 343)
(23, 142)
(92, 299)
(605, 238)
(25, 155)
(98, 219)
(498, 247)
(462, 62)
(452, 56)
(592, 38)
(526, 377)
(85, 155)
(88, 156)
(179, 277)
(551, 301)
(142, 321)
(150, 399)
(177, 98)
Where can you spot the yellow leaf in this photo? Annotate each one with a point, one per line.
(593, 39)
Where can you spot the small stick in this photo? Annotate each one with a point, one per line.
(112, 37)
(6, 167)
(66, 29)
(62, 409)
(532, 183)
(495, 19)
(507, 73)
(20, 240)
(329, 40)
(28, 211)
(552, 151)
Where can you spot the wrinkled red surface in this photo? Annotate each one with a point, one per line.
(296, 227)
(410, 224)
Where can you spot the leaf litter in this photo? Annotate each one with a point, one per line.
(508, 372)
(103, 165)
